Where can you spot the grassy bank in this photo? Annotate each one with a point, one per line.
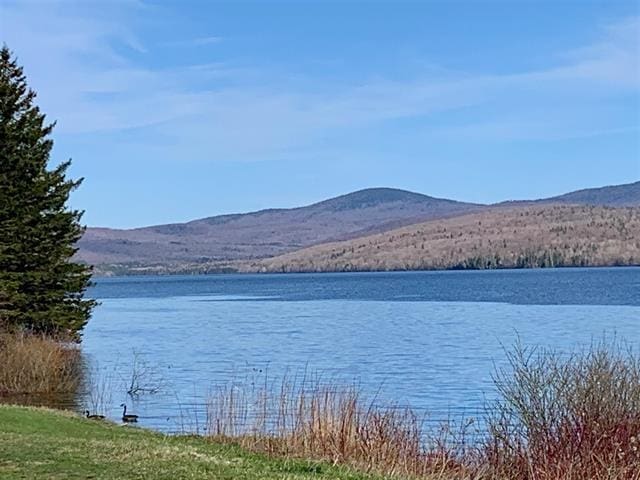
(40, 443)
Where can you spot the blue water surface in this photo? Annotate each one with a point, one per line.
(428, 339)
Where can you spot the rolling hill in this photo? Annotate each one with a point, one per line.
(228, 239)
(507, 237)
(627, 195)
(267, 232)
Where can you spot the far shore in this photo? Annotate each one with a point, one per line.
(122, 271)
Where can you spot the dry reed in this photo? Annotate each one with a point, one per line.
(557, 417)
(37, 364)
(99, 388)
(334, 422)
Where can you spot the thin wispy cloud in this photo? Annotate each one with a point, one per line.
(91, 86)
(194, 42)
(229, 110)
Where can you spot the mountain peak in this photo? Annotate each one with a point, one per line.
(372, 197)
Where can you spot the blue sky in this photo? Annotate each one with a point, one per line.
(178, 110)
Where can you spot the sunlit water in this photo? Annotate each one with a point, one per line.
(428, 339)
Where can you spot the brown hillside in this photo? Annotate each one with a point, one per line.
(529, 236)
(265, 233)
(227, 239)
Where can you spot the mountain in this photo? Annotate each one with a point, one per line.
(226, 239)
(267, 232)
(523, 236)
(627, 195)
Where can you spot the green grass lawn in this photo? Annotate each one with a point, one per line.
(41, 443)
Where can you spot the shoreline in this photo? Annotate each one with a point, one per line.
(359, 271)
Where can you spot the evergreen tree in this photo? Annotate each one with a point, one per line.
(41, 288)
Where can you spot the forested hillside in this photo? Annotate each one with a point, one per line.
(520, 237)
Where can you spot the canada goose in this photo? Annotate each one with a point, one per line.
(93, 417)
(128, 418)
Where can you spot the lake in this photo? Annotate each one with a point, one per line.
(427, 339)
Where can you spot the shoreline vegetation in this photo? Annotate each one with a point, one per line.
(38, 364)
(161, 271)
(556, 416)
(507, 237)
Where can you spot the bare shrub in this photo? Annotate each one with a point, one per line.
(144, 379)
(567, 417)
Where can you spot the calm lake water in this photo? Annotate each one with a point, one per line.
(428, 339)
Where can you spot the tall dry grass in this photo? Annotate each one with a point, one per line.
(38, 364)
(556, 417)
(333, 422)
